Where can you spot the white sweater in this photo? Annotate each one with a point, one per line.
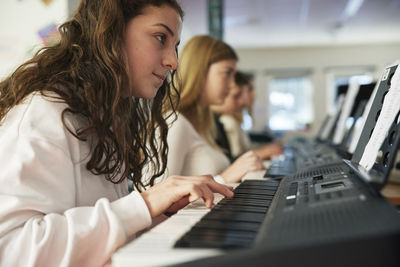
(189, 154)
(53, 212)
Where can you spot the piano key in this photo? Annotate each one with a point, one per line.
(256, 191)
(235, 216)
(241, 208)
(253, 196)
(250, 202)
(216, 240)
(228, 225)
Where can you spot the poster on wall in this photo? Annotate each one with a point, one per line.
(20, 38)
(49, 34)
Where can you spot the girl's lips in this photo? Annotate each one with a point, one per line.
(162, 78)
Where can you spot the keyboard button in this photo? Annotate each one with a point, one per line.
(318, 178)
(290, 201)
(293, 189)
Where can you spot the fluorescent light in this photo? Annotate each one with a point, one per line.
(352, 8)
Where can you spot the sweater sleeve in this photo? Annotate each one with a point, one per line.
(40, 222)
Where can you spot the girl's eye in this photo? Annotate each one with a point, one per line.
(161, 38)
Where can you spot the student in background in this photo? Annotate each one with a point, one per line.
(75, 121)
(206, 70)
(224, 115)
(245, 116)
(229, 114)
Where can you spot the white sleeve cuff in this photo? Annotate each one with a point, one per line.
(133, 212)
(218, 178)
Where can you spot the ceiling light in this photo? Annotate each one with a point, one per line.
(352, 8)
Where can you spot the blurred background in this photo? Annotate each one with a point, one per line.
(299, 51)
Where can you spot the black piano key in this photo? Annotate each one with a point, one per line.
(228, 225)
(256, 191)
(217, 234)
(252, 196)
(235, 216)
(260, 183)
(257, 187)
(241, 208)
(250, 202)
(214, 241)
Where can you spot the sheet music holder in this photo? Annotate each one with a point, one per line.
(348, 105)
(329, 128)
(374, 112)
(360, 102)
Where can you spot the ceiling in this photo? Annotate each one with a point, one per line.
(276, 23)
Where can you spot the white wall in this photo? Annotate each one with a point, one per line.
(20, 22)
(194, 22)
(321, 61)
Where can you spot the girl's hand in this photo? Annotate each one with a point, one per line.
(247, 162)
(176, 192)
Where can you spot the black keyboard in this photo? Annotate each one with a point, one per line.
(233, 223)
(280, 168)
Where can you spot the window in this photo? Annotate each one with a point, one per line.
(338, 76)
(290, 103)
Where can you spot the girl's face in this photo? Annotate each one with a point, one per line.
(248, 95)
(234, 101)
(151, 42)
(220, 77)
(252, 94)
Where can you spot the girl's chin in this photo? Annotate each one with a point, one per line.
(148, 94)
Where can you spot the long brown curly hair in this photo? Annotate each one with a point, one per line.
(87, 70)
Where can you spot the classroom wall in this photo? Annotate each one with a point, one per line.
(20, 23)
(320, 62)
(19, 39)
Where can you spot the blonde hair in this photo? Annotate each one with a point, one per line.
(197, 56)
